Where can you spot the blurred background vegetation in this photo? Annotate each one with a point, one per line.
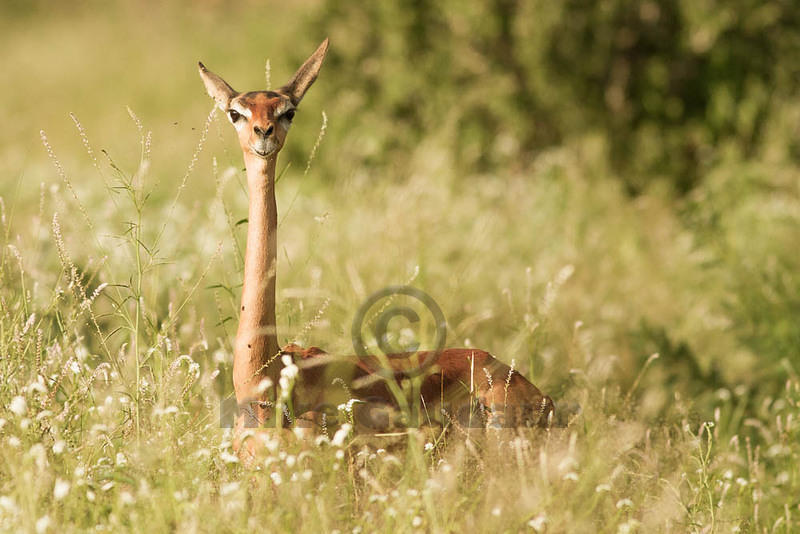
(651, 145)
(578, 184)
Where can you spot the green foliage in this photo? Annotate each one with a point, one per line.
(672, 85)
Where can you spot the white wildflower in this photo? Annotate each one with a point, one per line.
(61, 489)
(126, 497)
(538, 523)
(227, 489)
(290, 371)
(416, 522)
(220, 356)
(341, 435)
(283, 382)
(120, 459)
(624, 503)
(8, 504)
(264, 385)
(37, 386)
(627, 527)
(43, 524)
(18, 406)
(228, 458)
(276, 478)
(567, 463)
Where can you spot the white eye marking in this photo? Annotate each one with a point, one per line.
(241, 110)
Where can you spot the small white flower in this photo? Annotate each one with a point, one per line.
(264, 385)
(567, 463)
(572, 475)
(416, 522)
(624, 503)
(61, 489)
(227, 489)
(741, 481)
(14, 441)
(428, 446)
(121, 460)
(19, 406)
(90, 496)
(37, 386)
(496, 511)
(107, 486)
(58, 447)
(276, 478)
(8, 504)
(126, 497)
(228, 458)
(538, 523)
(602, 487)
(75, 367)
(42, 524)
(339, 454)
(341, 435)
(307, 474)
(290, 371)
(291, 460)
(283, 382)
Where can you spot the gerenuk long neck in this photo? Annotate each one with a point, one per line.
(254, 356)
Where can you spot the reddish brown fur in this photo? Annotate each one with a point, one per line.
(457, 377)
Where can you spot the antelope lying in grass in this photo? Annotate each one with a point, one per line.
(460, 377)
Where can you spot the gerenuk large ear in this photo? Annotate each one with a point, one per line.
(296, 88)
(217, 88)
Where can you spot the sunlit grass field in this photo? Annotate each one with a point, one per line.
(671, 322)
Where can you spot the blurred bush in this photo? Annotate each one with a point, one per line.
(673, 85)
